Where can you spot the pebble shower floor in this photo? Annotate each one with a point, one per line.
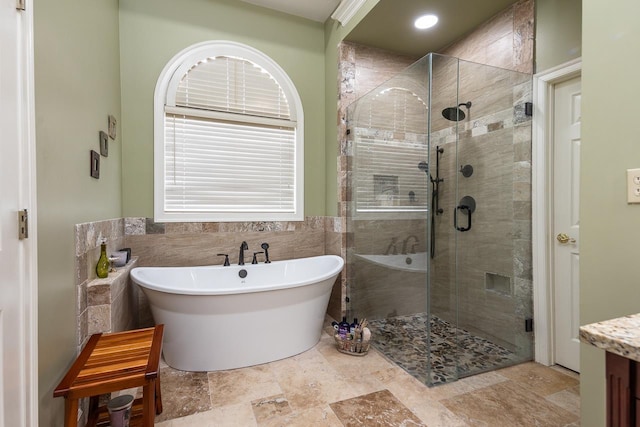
(403, 339)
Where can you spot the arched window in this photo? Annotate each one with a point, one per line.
(228, 137)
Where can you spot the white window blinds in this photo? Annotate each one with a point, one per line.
(233, 85)
(230, 143)
(224, 166)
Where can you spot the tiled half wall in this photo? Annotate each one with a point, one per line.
(115, 304)
(102, 305)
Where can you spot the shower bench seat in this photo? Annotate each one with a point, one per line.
(113, 362)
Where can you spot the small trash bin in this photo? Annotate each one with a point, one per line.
(120, 410)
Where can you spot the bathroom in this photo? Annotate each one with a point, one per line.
(127, 38)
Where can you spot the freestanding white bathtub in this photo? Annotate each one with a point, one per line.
(216, 320)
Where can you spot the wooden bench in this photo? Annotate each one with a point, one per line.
(113, 362)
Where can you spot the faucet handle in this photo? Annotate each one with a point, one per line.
(255, 259)
(226, 259)
(265, 246)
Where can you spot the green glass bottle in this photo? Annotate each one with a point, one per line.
(102, 268)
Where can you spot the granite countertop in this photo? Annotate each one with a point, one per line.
(620, 336)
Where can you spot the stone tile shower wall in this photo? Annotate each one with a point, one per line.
(497, 138)
(504, 41)
(493, 266)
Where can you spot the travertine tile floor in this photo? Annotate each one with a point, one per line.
(322, 387)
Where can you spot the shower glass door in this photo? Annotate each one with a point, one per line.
(442, 307)
(439, 221)
(391, 190)
(493, 258)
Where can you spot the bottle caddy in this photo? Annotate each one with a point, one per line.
(352, 338)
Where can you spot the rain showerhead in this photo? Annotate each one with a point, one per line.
(455, 114)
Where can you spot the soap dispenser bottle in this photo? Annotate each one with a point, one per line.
(343, 328)
(102, 268)
(353, 326)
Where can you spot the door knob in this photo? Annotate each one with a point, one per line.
(564, 238)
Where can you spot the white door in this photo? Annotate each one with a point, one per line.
(17, 301)
(566, 222)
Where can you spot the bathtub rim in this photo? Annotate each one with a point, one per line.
(337, 269)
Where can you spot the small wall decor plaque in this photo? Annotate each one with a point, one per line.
(112, 127)
(104, 144)
(95, 164)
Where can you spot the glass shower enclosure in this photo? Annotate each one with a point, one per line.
(439, 254)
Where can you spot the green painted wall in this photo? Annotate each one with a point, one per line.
(93, 59)
(153, 31)
(609, 231)
(334, 34)
(77, 85)
(558, 32)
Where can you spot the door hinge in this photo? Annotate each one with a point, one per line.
(528, 108)
(21, 4)
(23, 224)
(528, 325)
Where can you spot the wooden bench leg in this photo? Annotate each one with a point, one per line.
(148, 403)
(158, 397)
(70, 412)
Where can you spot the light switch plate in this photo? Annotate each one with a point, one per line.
(95, 164)
(104, 144)
(633, 185)
(112, 127)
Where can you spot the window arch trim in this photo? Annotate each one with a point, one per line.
(165, 99)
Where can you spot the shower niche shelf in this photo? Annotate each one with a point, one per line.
(498, 283)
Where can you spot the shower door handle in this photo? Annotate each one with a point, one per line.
(455, 217)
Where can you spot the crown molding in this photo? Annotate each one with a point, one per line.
(346, 9)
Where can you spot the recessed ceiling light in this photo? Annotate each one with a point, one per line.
(426, 21)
